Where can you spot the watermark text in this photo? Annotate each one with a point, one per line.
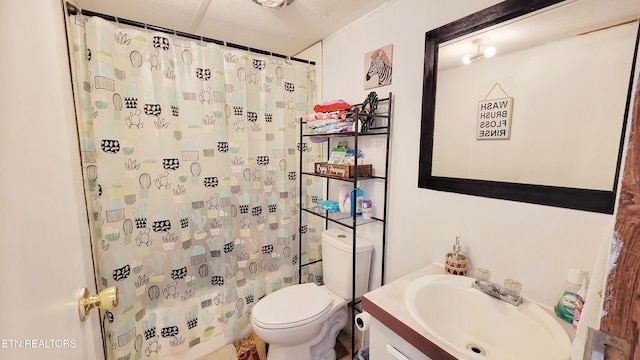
(38, 344)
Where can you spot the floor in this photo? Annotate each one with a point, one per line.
(343, 345)
(342, 348)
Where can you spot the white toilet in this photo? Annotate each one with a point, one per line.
(302, 321)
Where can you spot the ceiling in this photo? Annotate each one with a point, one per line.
(287, 31)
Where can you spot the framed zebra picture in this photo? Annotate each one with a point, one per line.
(377, 67)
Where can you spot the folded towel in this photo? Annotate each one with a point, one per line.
(333, 128)
(324, 129)
(313, 118)
(332, 105)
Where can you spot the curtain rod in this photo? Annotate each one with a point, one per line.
(74, 10)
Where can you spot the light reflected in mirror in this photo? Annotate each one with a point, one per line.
(545, 115)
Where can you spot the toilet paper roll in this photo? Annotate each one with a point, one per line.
(363, 321)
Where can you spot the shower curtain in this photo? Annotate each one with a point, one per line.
(190, 157)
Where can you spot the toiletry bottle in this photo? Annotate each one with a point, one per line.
(580, 296)
(566, 305)
(356, 202)
(367, 208)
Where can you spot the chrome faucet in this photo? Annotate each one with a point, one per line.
(498, 292)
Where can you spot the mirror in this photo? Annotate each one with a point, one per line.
(543, 120)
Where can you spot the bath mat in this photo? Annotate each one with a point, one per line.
(251, 347)
(341, 351)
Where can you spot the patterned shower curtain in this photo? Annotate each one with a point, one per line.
(191, 176)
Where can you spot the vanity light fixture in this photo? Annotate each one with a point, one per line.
(273, 4)
(482, 51)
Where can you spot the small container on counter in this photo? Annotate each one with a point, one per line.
(455, 261)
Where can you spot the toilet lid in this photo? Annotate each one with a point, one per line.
(292, 306)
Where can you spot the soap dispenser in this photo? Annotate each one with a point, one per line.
(456, 261)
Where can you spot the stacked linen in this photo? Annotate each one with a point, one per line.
(332, 105)
(330, 117)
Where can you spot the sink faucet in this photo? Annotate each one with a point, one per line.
(497, 291)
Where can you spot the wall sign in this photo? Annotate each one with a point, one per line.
(494, 119)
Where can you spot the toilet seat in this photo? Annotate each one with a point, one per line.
(292, 306)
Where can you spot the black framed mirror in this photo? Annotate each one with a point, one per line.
(459, 119)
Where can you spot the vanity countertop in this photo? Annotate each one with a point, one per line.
(386, 304)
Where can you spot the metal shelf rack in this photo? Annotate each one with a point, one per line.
(346, 220)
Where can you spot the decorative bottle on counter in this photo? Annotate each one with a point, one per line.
(456, 261)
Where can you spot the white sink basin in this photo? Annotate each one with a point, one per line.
(479, 326)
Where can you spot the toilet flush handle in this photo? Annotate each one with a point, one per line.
(106, 299)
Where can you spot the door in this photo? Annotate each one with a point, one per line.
(45, 252)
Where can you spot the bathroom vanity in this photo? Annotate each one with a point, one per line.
(394, 334)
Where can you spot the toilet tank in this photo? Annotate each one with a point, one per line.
(337, 262)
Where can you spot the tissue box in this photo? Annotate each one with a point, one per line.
(342, 171)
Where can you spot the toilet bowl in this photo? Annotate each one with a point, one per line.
(295, 332)
(302, 321)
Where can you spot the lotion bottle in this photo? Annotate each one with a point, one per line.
(566, 305)
(580, 296)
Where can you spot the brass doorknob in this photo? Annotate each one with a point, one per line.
(106, 299)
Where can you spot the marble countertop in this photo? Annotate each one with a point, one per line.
(386, 304)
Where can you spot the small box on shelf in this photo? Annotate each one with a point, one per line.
(342, 171)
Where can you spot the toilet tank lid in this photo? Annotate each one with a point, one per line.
(293, 305)
(343, 241)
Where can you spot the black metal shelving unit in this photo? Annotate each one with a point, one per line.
(346, 220)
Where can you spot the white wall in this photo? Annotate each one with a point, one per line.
(534, 244)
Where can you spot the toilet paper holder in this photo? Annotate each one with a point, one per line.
(363, 321)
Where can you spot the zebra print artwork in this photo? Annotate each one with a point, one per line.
(379, 65)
